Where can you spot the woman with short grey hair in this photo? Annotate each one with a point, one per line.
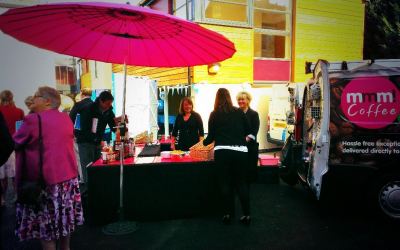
(55, 218)
(48, 93)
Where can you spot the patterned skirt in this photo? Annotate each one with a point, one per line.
(56, 216)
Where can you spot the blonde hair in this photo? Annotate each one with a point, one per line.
(52, 94)
(7, 98)
(86, 92)
(28, 101)
(242, 94)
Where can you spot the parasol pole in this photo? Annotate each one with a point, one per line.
(121, 227)
(121, 152)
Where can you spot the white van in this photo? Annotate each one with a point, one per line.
(347, 137)
(279, 104)
(284, 100)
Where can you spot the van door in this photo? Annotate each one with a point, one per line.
(316, 139)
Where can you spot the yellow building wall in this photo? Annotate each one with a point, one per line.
(326, 29)
(86, 80)
(235, 70)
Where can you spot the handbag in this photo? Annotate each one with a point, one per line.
(32, 192)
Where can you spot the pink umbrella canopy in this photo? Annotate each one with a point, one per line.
(116, 33)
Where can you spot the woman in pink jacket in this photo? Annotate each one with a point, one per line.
(61, 209)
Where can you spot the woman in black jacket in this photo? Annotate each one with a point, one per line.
(231, 130)
(189, 124)
(243, 99)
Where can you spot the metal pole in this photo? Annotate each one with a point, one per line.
(122, 227)
(166, 115)
(121, 153)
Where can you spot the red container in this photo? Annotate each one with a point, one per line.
(177, 157)
(268, 160)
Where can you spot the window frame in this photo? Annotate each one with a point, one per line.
(192, 8)
(201, 15)
(286, 33)
(200, 18)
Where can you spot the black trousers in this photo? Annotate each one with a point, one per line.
(231, 171)
(252, 161)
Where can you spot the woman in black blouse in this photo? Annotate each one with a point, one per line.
(231, 130)
(189, 124)
(243, 99)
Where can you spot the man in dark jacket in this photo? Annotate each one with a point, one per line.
(86, 95)
(94, 117)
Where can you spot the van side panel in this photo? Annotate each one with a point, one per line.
(352, 178)
(364, 117)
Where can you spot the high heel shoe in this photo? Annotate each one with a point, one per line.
(226, 220)
(245, 220)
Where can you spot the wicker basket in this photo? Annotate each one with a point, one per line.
(202, 153)
(143, 138)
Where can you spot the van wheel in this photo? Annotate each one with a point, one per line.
(385, 196)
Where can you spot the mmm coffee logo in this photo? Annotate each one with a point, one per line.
(371, 102)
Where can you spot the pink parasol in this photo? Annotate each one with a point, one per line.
(117, 33)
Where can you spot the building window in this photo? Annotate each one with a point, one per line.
(85, 66)
(225, 12)
(184, 9)
(64, 75)
(272, 29)
(271, 20)
(233, 10)
(271, 46)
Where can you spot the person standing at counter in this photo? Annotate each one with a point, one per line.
(189, 125)
(94, 118)
(86, 95)
(61, 209)
(243, 99)
(11, 114)
(229, 127)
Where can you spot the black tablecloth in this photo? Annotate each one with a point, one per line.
(158, 191)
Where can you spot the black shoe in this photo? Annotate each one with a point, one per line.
(226, 220)
(245, 220)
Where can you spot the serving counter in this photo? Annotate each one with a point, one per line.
(154, 189)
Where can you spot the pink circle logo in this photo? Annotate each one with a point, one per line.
(371, 102)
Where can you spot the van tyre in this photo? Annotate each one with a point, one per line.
(384, 196)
